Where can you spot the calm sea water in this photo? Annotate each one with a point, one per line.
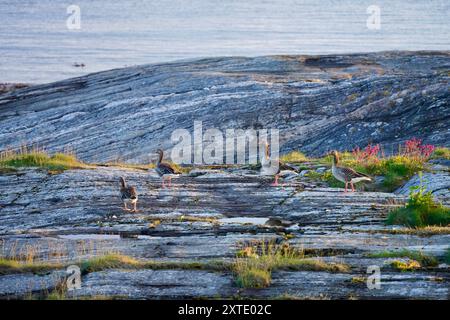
(36, 46)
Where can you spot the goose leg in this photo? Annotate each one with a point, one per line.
(346, 183)
(275, 183)
(353, 188)
(134, 205)
(125, 207)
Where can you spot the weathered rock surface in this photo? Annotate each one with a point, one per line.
(23, 285)
(437, 181)
(317, 102)
(77, 214)
(169, 284)
(158, 284)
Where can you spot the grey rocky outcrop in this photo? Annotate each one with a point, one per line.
(319, 103)
(437, 180)
(75, 215)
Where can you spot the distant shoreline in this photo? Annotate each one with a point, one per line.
(9, 86)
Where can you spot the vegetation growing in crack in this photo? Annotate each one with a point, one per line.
(409, 265)
(119, 261)
(441, 153)
(154, 222)
(423, 231)
(423, 259)
(25, 158)
(11, 266)
(294, 157)
(254, 264)
(395, 169)
(420, 210)
(107, 261)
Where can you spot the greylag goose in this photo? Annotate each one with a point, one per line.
(268, 169)
(165, 169)
(346, 175)
(128, 194)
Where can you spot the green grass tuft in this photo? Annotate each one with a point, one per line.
(420, 217)
(423, 232)
(327, 177)
(421, 210)
(9, 266)
(294, 156)
(395, 170)
(424, 259)
(410, 265)
(108, 261)
(250, 277)
(25, 158)
(253, 265)
(441, 153)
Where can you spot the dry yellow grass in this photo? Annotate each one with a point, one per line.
(294, 156)
(26, 157)
(253, 265)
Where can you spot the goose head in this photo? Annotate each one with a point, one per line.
(335, 155)
(160, 154)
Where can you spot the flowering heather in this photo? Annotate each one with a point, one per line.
(395, 169)
(368, 153)
(412, 145)
(415, 148)
(427, 150)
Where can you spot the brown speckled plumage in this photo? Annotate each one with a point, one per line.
(128, 194)
(345, 174)
(164, 168)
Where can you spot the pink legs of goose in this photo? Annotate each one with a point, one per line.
(275, 183)
(169, 182)
(351, 184)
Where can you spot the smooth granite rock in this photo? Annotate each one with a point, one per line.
(318, 103)
(76, 215)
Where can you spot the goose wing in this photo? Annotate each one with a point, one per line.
(352, 174)
(166, 168)
(128, 193)
(133, 193)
